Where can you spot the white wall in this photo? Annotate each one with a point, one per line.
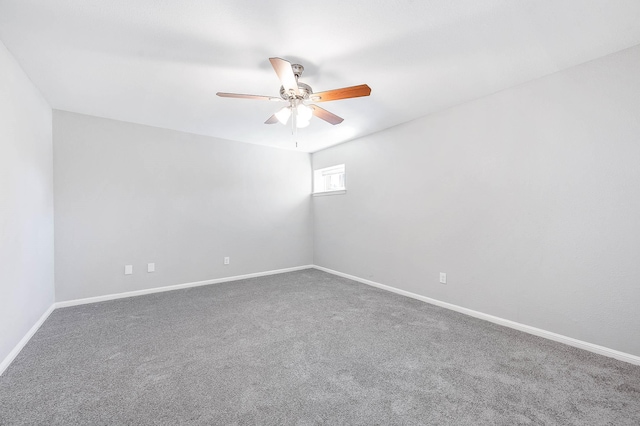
(529, 199)
(26, 205)
(132, 194)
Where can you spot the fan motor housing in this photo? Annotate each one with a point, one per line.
(305, 92)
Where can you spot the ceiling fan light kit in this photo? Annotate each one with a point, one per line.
(297, 93)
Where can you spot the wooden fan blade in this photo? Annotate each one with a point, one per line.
(285, 74)
(344, 93)
(272, 120)
(241, 96)
(325, 115)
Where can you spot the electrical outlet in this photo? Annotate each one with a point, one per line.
(151, 267)
(227, 260)
(443, 277)
(128, 269)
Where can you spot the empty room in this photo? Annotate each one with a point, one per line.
(344, 213)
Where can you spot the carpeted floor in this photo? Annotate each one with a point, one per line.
(303, 348)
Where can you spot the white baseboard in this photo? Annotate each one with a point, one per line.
(23, 342)
(12, 355)
(601, 350)
(106, 297)
(622, 356)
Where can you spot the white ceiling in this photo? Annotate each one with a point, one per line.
(160, 62)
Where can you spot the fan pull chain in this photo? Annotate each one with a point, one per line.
(294, 123)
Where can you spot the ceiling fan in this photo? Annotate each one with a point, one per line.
(298, 95)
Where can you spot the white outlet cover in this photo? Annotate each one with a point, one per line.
(227, 260)
(151, 267)
(128, 269)
(443, 277)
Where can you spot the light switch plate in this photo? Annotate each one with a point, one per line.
(151, 267)
(128, 269)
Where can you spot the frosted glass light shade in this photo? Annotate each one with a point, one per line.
(283, 115)
(304, 113)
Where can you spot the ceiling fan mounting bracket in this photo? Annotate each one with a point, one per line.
(297, 70)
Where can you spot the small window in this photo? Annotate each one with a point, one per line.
(329, 180)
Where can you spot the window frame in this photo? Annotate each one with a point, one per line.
(319, 172)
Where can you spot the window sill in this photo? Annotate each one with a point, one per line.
(322, 194)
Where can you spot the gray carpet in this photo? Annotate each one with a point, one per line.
(303, 348)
